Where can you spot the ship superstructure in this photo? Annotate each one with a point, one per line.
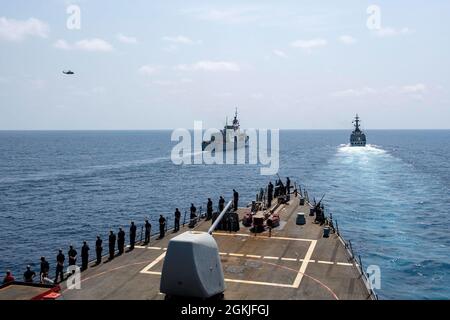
(357, 138)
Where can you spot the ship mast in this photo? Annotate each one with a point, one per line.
(235, 121)
(356, 122)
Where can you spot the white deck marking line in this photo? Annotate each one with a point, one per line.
(265, 237)
(344, 264)
(153, 263)
(299, 277)
(236, 254)
(312, 260)
(151, 248)
(238, 281)
(325, 262)
(158, 273)
(296, 284)
(260, 283)
(289, 259)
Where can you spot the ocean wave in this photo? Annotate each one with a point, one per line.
(82, 172)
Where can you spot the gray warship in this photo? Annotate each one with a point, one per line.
(230, 138)
(357, 138)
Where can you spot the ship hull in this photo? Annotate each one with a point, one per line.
(358, 140)
(227, 141)
(225, 146)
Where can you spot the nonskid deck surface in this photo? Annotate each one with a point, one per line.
(293, 262)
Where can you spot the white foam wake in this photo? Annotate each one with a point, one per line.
(367, 149)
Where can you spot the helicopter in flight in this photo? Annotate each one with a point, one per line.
(68, 72)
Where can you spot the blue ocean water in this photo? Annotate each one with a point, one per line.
(391, 198)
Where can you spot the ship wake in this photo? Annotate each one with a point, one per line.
(367, 149)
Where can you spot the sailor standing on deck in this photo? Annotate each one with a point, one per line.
(269, 194)
(84, 256)
(288, 185)
(221, 204)
(98, 249)
(60, 266)
(209, 209)
(8, 278)
(148, 228)
(112, 244)
(45, 267)
(29, 275)
(162, 226)
(176, 227)
(235, 199)
(132, 235)
(121, 240)
(72, 253)
(193, 211)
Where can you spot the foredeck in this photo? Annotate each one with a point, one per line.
(293, 262)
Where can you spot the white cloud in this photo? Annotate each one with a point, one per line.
(414, 88)
(62, 44)
(391, 32)
(208, 65)
(180, 40)
(354, 92)
(346, 39)
(410, 90)
(309, 44)
(17, 30)
(280, 53)
(93, 45)
(149, 70)
(126, 39)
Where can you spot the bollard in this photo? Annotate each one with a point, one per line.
(300, 220)
(326, 232)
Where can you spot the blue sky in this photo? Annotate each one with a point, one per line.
(284, 64)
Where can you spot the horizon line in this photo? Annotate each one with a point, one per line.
(281, 129)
